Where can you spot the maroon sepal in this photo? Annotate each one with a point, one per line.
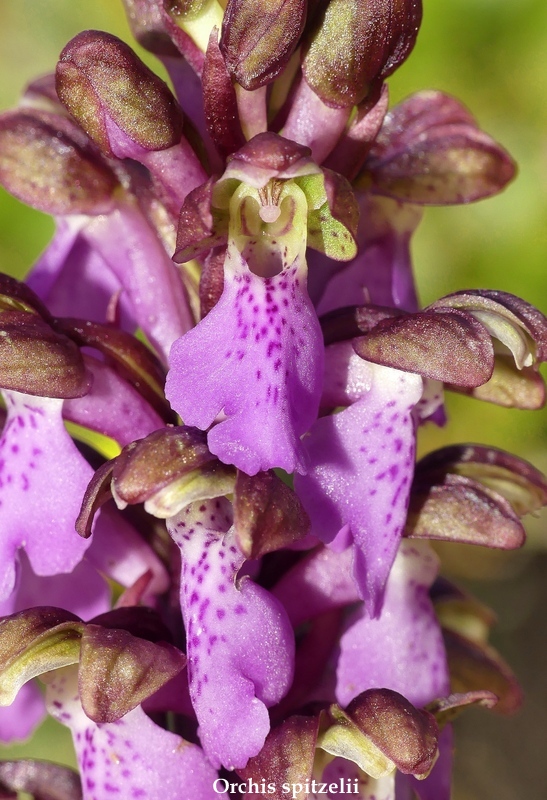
(459, 509)
(36, 360)
(145, 467)
(449, 346)
(98, 493)
(342, 324)
(267, 514)
(211, 281)
(354, 144)
(129, 357)
(446, 709)
(505, 307)
(352, 46)
(259, 36)
(430, 151)
(286, 758)
(200, 226)
(47, 162)
(405, 736)
(515, 479)
(118, 671)
(475, 666)
(18, 296)
(115, 97)
(148, 27)
(219, 100)
(509, 387)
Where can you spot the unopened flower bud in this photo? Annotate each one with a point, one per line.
(117, 100)
(36, 360)
(357, 43)
(46, 161)
(259, 37)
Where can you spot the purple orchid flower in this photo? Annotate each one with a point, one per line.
(408, 630)
(114, 242)
(262, 338)
(362, 462)
(44, 474)
(240, 642)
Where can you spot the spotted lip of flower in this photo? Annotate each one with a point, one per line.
(239, 640)
(258, 355)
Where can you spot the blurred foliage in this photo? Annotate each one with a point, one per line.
(492, 55)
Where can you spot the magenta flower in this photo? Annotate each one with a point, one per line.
(42, 473)
(362, 462)
(239, 641)
(262, 338)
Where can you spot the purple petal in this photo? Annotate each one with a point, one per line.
(40, 494)
(239, 640)
(319, 582)
(18, 721)
(73, 279)
(177, 171)
(189, 90)
(403, 648)
(150, 280)
(45, 271)
(112, 407)
(257, 356)
(83, 591)
(131, 758)
(348, 377)
(122, 554)
(382, 271)
(312, 123)
(362, 462)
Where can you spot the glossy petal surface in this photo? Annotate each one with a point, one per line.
(239, 640)
(42, 480)
(131, 758)
(257, 357)
(362, 461)
(403, 649)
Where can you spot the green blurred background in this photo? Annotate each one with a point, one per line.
(492, 54)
